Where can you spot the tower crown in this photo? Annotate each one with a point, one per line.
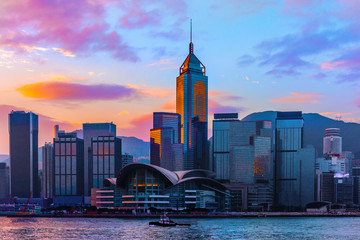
(192, 62)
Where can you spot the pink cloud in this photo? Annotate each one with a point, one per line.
(74, 26)
(75, 91)
(223, 95)
(215, 107)
(333, 65)
(46, 127)
(295, 98)
(170, 105)
(136, 16)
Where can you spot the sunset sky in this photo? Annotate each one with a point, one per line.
(81, 61)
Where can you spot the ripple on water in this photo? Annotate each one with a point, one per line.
(242, 228)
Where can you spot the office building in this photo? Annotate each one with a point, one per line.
(106, 159)
(91, 130)
(47, 170)
(165, 147)
(295, 165)
(201, 144)
(168, 120)
(332, 141)
(23, 132)
(126, 159)
(191, 102)
(242, 159)
(241, 149)
(221, 144)
(356, 181)
(69, 165)
(4, 180)
(344, 191)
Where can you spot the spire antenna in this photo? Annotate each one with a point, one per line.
(191, 46)
(190, 30)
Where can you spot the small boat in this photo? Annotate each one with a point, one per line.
(166, 222)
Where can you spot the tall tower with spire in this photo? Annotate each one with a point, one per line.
(192, 105)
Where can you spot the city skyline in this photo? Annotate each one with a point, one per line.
(124, 67)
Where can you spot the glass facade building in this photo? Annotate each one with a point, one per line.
(23, 133)
(165, 147)
(242, 158)
(295, 165)
(106, 159)
(142, 186)
(221, 144)
(91, 130)
(191, 102)
(4, 180)
(47, 170)
(69, 165)
(241, 149)
(168, 120)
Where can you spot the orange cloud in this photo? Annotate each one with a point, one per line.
(223, 95)
(157, 92)
(335, 113)
(170, 105)
(295, 98)
(75, 91)
(333, 65)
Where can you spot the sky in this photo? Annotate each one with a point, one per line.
(74, 62)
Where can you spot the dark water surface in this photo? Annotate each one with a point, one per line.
(244, 228)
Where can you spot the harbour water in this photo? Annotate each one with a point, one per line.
(230, 228)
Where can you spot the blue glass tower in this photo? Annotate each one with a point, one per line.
(191, 103)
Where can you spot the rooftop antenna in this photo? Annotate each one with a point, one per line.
(190, 30)
(191, 46)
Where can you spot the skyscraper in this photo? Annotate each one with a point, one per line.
(294, 165)
(23, 131)
(191, 102)
(4, 180)
(106, 159)
(47, 170)
(165, 147)
(332, 141)
(69, 165)
(91, 130)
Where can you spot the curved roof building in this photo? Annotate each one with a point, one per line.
(144, 185)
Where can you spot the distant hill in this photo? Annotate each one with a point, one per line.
(135, 146)
(314, 130)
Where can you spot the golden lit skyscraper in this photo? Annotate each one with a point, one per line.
(192, 105)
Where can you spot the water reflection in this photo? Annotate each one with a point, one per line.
(249, 228)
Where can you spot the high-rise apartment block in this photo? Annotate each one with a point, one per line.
(23, 132)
